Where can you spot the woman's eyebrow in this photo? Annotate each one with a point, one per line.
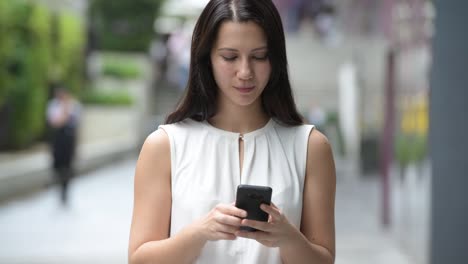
(227, 49)
(261, 48)
(235, 50)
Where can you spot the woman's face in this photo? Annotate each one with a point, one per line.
(241, 66)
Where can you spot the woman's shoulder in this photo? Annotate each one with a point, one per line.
(154, 162)
(318, 144)
(182, 129)
(157, 142)
(317, 138)
(182, 125)
(293, 131)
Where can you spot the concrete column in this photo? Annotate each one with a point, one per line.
(348, 102)
(449, 134)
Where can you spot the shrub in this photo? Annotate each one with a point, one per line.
(333, 122)
(31, 57)
(108, 98)
(121, 69)
(5, 48)
(28, 64)
(123, 25)
(69, 51)
(410, 148)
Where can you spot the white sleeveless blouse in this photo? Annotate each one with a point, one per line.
(205, 171)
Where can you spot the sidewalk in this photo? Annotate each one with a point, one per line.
(360, 238)
(106, 134)
(95, 226)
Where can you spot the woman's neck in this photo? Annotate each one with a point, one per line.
(240, 119)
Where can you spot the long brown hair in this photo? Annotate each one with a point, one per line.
(199, 101)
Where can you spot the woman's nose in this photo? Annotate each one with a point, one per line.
(245, 71)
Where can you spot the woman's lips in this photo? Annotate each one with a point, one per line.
(245, 89)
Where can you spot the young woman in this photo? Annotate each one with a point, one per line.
(237, 124)
(63, 118)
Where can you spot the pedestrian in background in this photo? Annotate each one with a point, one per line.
(63, 116)
(236, 124)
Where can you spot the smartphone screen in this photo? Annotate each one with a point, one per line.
(249, 198)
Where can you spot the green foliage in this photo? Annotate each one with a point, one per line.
(5, 47)
(28, 56)
(121, 69)
(69, 51)
(27, 63)
(39, 60)
(402, 151)
(410, 149)
(332, 121)
(124, 25)
(12, 15)
(108, 98)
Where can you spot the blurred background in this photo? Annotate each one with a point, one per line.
(360, 71)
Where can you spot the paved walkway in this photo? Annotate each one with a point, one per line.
(95, 226)
(359, 236)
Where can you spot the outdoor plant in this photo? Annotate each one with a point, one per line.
(332, 122)
(28, 64)
(409, 149)
(124, 25)
(120, 69)
(5, 48)
(69, 51)
(411, 140)
(40, 48)
(107, 98)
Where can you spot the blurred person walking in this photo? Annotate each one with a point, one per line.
(63, 116)
(295, 14)
(325, 24)
(178, 46)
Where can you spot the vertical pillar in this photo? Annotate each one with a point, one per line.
(449, 134)
(386, 145)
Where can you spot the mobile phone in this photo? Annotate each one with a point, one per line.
(249, 198)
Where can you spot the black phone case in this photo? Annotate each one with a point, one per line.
(249, 198)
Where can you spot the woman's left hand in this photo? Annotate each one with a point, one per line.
(274, 233)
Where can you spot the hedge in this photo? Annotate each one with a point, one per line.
(28, 57)
(108, 98)
(123, 25)
(69, 56)
(410, 148)
(5, 46)
(28, 64)
(120, 68)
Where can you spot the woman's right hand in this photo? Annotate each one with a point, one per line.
(221, 223)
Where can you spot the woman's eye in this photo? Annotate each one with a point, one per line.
(229, 58)
(261, 58)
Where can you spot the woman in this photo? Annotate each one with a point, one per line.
(237, 124)
(63, 117)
